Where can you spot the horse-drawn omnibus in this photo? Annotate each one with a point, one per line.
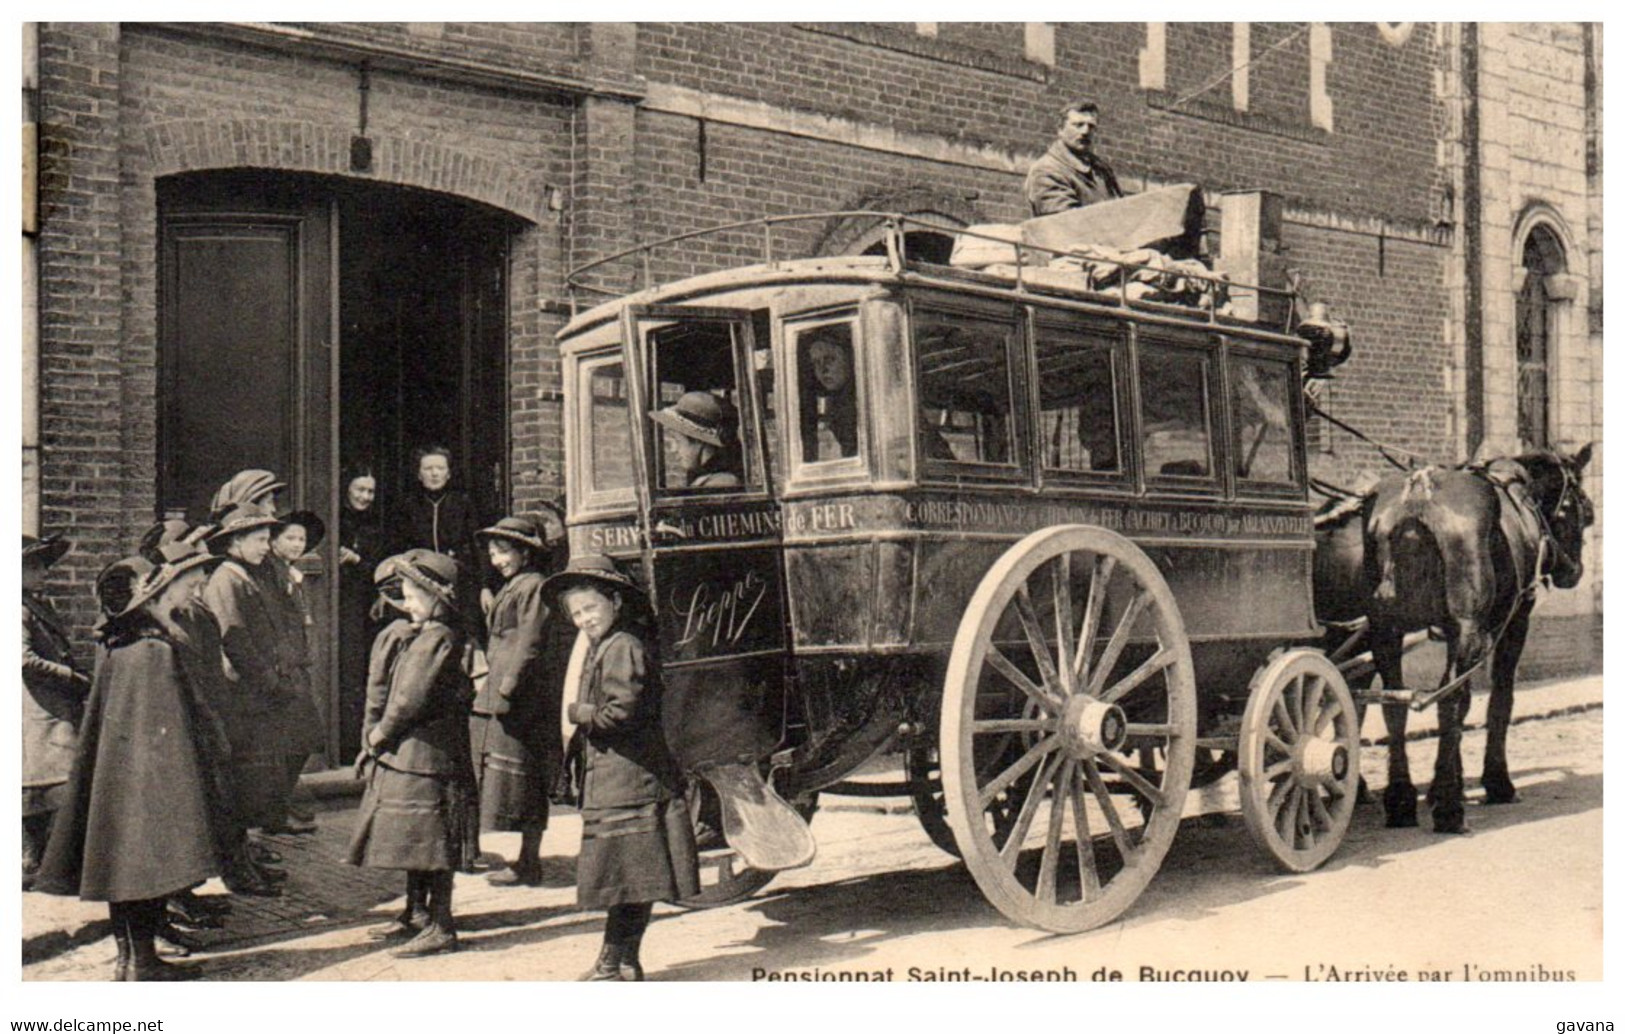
(1050, 541)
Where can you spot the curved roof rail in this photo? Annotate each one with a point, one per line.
(897, 226)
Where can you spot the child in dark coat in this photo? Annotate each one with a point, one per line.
(515, 729)
(420, 811)
(637, 843)
(138, 822)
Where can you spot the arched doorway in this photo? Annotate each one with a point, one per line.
(312, 323)
(1537, 323)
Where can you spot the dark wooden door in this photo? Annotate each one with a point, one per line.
(247, 358)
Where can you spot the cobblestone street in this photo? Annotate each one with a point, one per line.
(880, 895)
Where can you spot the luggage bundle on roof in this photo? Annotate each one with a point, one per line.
(1146, 245)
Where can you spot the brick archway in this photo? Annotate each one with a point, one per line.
(854, 234)
(292, 145)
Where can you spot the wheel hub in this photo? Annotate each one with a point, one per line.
(1324, 761)
(1092, 726)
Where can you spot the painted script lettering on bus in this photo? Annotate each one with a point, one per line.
(715, 616)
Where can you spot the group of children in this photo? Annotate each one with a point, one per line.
(200, 717)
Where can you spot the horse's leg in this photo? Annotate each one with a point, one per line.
(1399, 799)
(1498, 788)
(1447, 795)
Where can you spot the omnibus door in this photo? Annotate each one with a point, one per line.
(713, 542)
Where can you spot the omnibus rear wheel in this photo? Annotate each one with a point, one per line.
(1070, 661)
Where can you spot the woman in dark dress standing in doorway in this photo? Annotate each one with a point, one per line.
(361, 548)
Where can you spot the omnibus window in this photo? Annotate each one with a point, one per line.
(1077, 400)
(964, 388)
(608, 432)
(1175, 417)
(697, 438)
(826, 392)
(1260, 405)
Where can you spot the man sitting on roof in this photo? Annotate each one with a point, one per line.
(1070, 174)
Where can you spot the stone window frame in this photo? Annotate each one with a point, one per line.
(1563, 289)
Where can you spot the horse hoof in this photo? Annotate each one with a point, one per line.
(1399, 806)
(1453, 824)
(1500, 791)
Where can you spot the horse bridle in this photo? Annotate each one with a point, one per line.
(1571, 489)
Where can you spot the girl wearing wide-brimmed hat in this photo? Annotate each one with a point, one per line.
(514, 730)
(53, 700)
(637, 843)
(419, 812)
(706, 440)
(243, 602)
(138, 822)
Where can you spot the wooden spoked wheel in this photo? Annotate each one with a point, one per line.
(1070, 663)
(1299, 759)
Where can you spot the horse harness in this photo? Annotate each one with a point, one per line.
(1511, 481)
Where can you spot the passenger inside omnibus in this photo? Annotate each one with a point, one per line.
(828, 393)
(697, 426)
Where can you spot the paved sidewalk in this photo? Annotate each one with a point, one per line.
(313, 929)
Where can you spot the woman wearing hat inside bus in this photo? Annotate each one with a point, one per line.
(637, 844)
(705, 440)
(420, 811)
(53, 699)
(515, 728)
(242, 599)
(137, 823)
(292, 537)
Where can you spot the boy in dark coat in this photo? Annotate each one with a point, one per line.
(637, 842)
(419, 811)
(53, 700)
(137, 824)
(515, 728)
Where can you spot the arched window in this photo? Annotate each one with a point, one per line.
(1537, 328)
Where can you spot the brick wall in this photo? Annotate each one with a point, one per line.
(83, 468)
(1382, 165)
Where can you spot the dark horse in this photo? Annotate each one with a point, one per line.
(1460, 551)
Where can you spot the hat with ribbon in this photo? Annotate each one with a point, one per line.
(46, 551)
(589, 571)
(700, 415)
(527, 531)
(429, 570)
(315, 527)
(238, 521)
(243, 489)
(125, 585)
